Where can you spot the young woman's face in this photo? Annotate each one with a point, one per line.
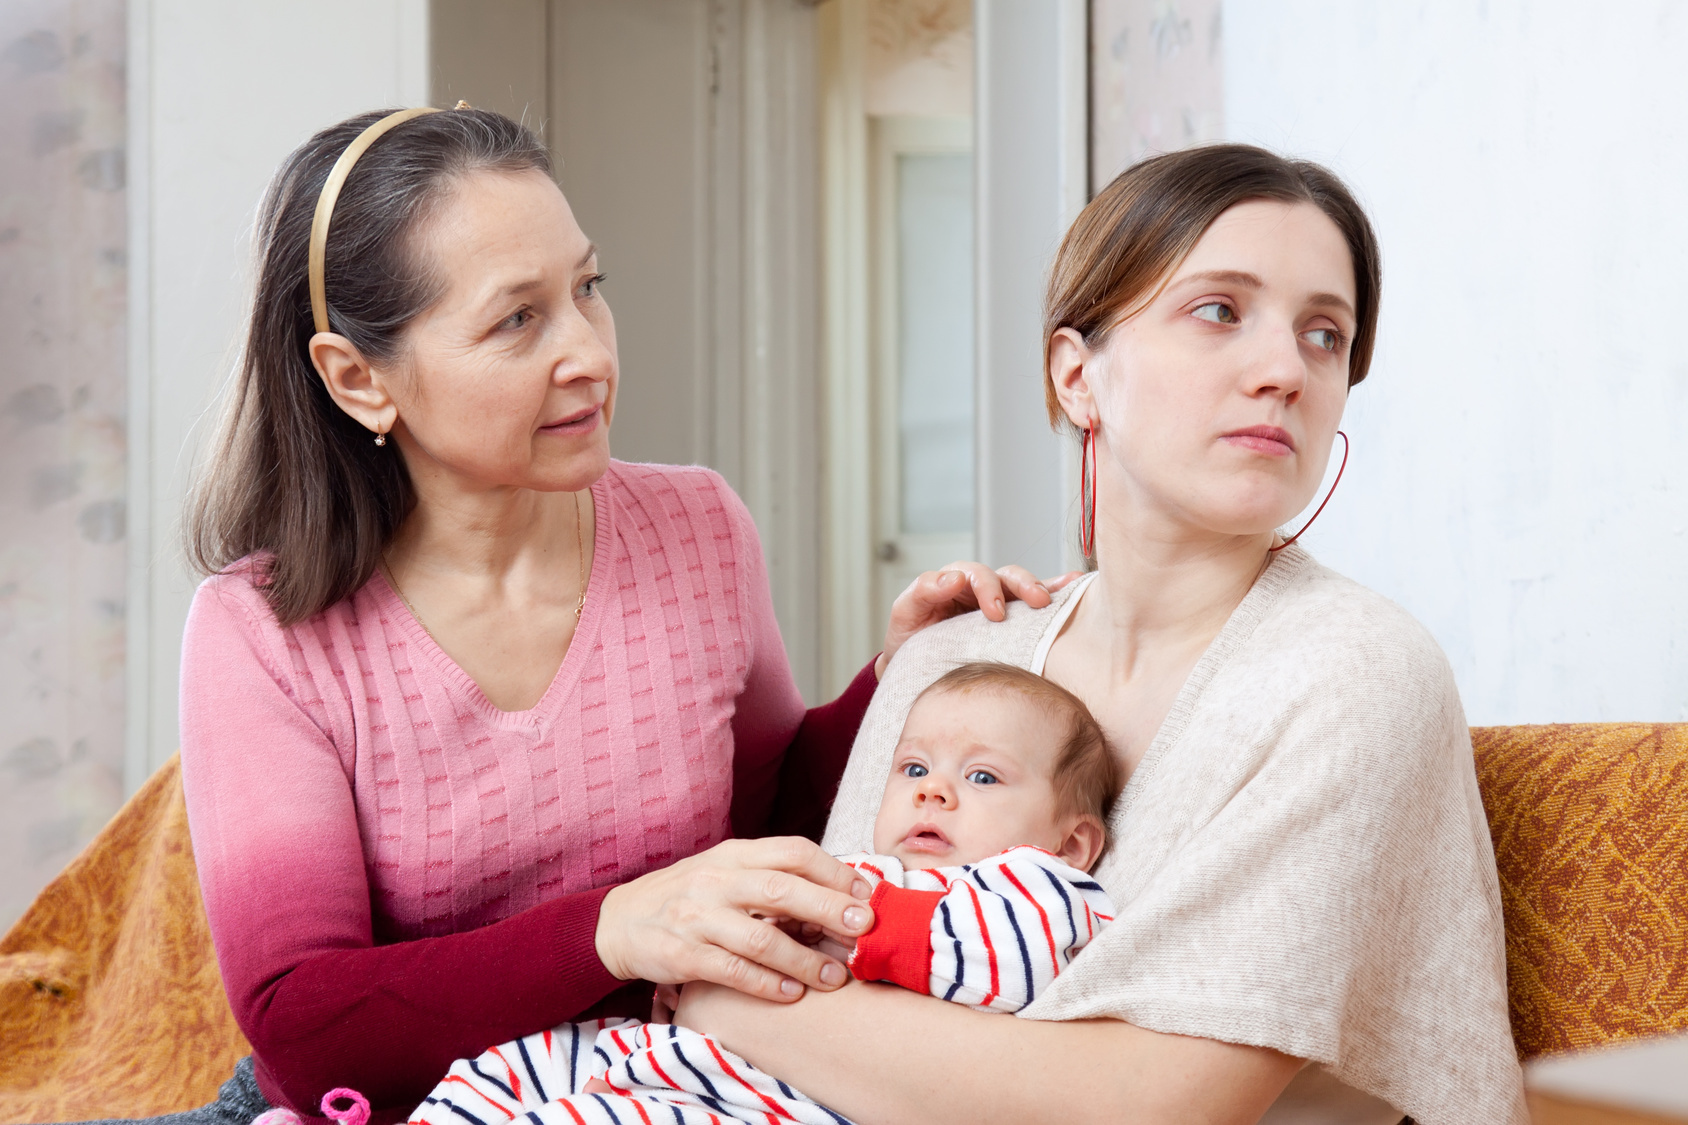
(510, 378)
(1217, 403)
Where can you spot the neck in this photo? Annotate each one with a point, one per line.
(488, 534)
(1165, 587)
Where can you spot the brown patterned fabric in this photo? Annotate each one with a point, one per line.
(110, 1000)
(1590, 823)
(111, 1004)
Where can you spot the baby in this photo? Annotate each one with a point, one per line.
(994, 811)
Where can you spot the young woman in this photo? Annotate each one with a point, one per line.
(1300, 858)
(470, 712)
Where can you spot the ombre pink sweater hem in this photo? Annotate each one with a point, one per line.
(397, 874)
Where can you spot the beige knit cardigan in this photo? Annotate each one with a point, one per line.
(1301, 859)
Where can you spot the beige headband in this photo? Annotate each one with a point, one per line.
(331, 193)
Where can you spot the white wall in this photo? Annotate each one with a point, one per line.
(219, 93)
(1517, 480)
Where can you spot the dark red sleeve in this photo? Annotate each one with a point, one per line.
(388, 1021)
(813, 763)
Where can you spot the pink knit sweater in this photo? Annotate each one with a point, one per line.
(395, 869)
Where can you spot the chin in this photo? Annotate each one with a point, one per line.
(582, 470)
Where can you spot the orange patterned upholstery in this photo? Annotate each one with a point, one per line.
(110, 999)
(1590, 823)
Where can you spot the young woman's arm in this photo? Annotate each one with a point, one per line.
(882, 1054)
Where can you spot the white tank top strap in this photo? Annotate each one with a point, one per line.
(1041, 654)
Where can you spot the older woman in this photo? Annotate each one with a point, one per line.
(1300, 857)
(469, 710)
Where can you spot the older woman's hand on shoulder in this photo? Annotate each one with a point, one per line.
(962, 587)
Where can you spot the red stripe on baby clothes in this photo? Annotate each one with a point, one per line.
(515, 1082)
(985, 936)
(727, 1069)
(460, 1080)
(643, 1116)
(661, 1073)
(1042, 915)
(898, 948)
(870, 867)
(573, 1112)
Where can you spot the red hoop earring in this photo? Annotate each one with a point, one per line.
(1328, 495)
(1087, 494)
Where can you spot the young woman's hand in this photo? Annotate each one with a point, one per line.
(706, 918)
(961, 587)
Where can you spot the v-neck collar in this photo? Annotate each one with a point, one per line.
(586, 631)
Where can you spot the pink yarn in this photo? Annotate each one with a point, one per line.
(356, 1114)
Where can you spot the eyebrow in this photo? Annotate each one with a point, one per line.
(1252, 281)
(529, 283)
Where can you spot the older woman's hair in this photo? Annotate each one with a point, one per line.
(292, 478)
(1086, 775)
(1127, 242)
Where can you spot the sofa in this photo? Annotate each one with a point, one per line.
(111, 1004)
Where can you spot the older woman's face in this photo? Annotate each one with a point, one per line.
(1219, 401)
(510, 378)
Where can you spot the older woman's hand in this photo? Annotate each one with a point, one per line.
(961, 587)
(712, 917)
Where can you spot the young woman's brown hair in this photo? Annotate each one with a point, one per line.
(1132, 236)
(292, 477)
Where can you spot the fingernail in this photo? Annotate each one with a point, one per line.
(855, 918)
(832, 973)
(998, 603)
(791, 988)
(861, 890)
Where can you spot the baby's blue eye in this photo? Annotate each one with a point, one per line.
(915, 769)
(983, 777)
(1216, 311)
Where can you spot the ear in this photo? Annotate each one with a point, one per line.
(1082, 846)
(354, 385)
(1072, 362)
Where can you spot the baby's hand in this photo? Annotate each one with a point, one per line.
(836, 947)
(667, 999)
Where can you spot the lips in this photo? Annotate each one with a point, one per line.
(926, 838)
(579, 422)
(1273, 441)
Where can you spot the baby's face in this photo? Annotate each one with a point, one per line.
(971, 778)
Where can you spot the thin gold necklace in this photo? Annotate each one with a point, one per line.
(580, 564)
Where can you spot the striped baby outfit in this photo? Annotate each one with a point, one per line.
(991, 935)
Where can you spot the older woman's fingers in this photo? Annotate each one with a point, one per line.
(1056, 585)
(771, 949)
(986, 587)
(1021, 583)
(779, 893)
(803, 858)
(713, 963)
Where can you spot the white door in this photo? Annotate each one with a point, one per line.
(921, 223)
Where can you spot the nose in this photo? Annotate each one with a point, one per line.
(580, 352)
(933, 789)
(1277, 367)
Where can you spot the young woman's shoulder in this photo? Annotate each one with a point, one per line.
(1327, 635)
